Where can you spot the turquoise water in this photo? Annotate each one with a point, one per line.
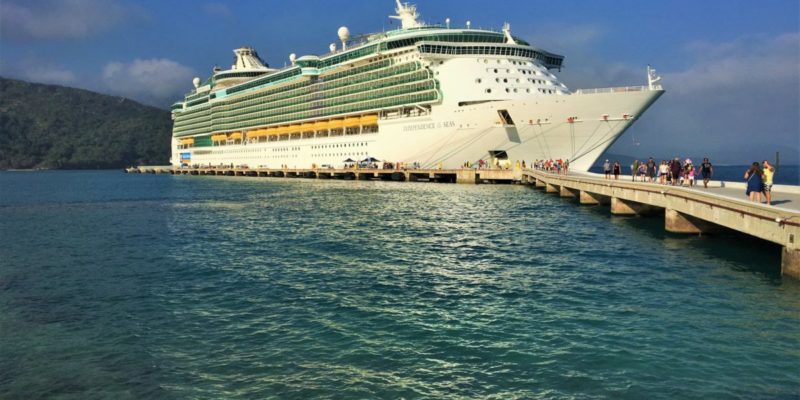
(141, 286)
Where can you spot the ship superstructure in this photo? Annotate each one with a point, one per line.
(421, 94)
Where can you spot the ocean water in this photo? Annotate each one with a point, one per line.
(182, 287)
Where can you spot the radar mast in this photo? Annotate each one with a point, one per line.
(407, 14)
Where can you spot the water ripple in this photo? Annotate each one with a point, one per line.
(212, 287)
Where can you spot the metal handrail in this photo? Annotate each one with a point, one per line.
(617, 89)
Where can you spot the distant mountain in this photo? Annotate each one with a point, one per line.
(48, 126)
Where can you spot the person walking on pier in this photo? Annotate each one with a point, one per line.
(769, 172)
(651, 170)
(688, 173)
(607, 169)
(634, 170)
(642, 172)
(617, 170)
(755, 183)
(706, 171)
(663, 172)
(675, 170)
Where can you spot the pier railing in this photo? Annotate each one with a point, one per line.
(617, 89)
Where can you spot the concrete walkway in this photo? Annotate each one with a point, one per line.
(784, 197)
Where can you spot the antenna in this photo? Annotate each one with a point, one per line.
(652, 78)
(507, 33)
(293, 58)
(469, 24)
(332, 47)
(447, 22)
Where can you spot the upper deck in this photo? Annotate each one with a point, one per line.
(428, 39)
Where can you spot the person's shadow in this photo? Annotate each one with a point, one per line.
(779, 202)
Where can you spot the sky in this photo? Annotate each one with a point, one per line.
(731, 68)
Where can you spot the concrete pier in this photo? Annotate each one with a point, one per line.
(567, 192)
(593, 199)
(621, 206)
(790, 262)
(468, 176)
(687, 210)
(678, 222)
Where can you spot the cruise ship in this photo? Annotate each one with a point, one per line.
(431, 96)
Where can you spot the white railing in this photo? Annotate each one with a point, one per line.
(617, 89)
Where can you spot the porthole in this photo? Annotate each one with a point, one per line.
(488, 90)
(478, 80)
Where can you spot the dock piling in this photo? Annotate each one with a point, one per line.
(790, 262)
(678, 222)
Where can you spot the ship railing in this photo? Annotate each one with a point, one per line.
(617, 89)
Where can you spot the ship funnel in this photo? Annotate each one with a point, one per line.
(407, 14)
(247, 58)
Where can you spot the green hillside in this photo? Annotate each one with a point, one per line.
(48, 126)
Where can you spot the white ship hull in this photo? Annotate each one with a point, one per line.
(575, 127)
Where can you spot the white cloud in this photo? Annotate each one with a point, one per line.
(747, 62)
(733, 101)
(50, 74)
(65, 19)
(157, 81)
(32, 68)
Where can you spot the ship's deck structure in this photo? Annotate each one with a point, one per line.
(389, 86)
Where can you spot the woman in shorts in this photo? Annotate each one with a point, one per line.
(663, 172)
(755, 182)
(689, 173)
